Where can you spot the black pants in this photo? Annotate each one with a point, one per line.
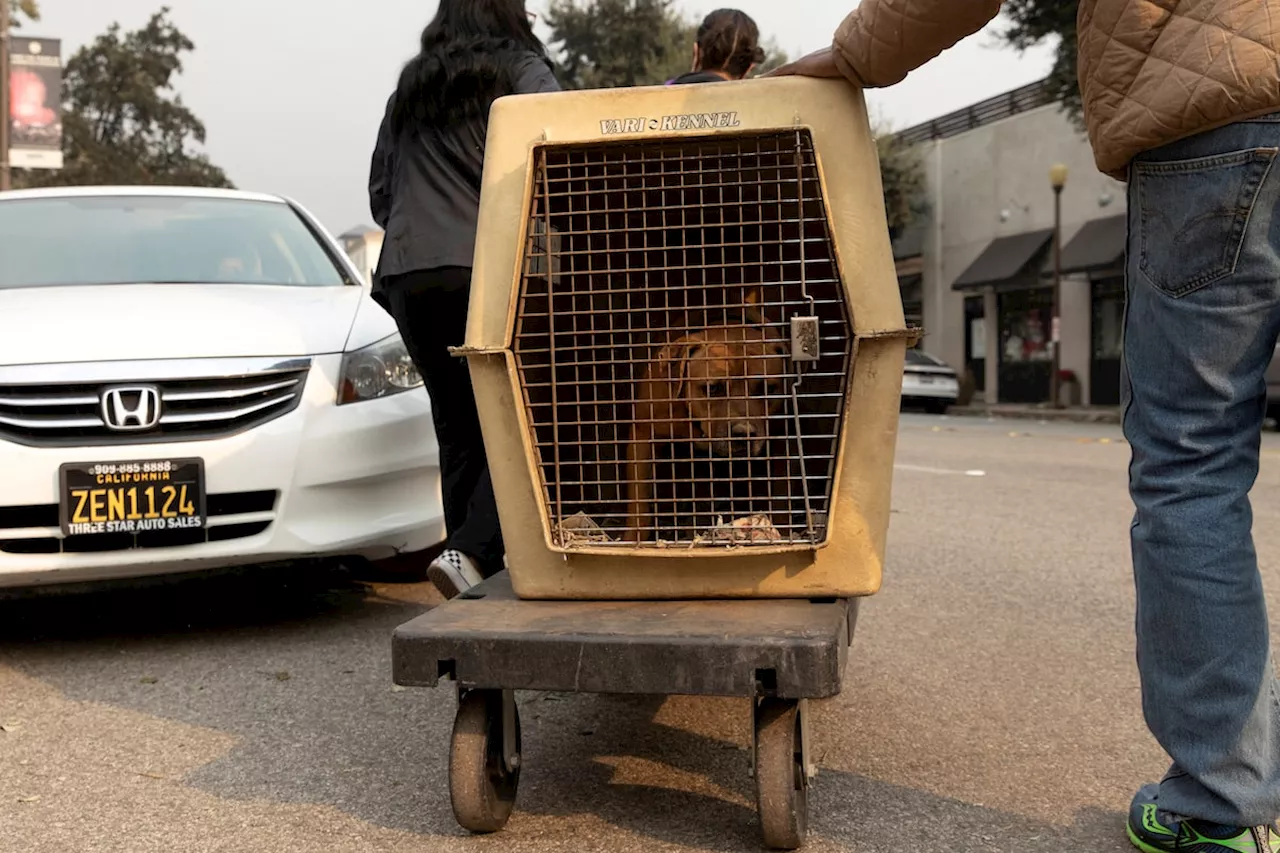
(430, 307)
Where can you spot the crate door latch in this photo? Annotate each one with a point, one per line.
(804, 339)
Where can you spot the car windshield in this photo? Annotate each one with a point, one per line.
(915, 356)
(158, 239)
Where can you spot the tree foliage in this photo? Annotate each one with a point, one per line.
(903, 178)
(616, 43)
(20, 9)
(1032, 22)
(123, 123)
(613, 43)
(774, 57)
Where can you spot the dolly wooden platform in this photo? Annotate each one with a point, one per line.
(778, 652)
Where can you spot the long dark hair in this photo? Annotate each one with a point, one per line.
(468, 59)
(729, 41)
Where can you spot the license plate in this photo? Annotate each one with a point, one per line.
(131, 497)
(926, 380)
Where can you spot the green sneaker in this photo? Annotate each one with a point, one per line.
(1153, 830)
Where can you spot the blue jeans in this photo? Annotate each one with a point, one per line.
(1203, 313)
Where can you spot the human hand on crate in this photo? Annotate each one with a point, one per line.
(820, 63)
(881, 41)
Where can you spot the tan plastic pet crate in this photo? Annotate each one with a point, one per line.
(686, 340)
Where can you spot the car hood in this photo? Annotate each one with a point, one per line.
(53, 325)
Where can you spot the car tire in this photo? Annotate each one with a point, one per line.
(937, 407)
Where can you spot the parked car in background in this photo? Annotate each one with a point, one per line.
(194, 379)
(929, 382)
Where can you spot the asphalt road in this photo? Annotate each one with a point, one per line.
(991, 703)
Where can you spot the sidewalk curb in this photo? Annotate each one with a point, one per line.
(1079, 416)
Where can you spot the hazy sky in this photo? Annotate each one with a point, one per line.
(292, 91)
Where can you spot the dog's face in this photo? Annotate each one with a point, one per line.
(732, 380)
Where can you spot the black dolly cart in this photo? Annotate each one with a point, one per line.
(779, 653)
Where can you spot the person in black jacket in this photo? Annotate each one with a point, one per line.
(424, 190)
(727, 48)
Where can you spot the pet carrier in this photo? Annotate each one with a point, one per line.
(686, 341)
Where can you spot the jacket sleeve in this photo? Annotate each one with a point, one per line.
(882, 41)
(381, 172)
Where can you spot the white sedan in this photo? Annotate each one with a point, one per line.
(195, 379)
(929, 382)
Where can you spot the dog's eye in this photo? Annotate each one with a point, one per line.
(717, 389)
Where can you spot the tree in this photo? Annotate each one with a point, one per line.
(122, 123)
(902, 175)
(774, 57)
(23, 8)
(1031, 22)
(675, 41)
(614, 43)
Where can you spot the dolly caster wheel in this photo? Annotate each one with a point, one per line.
(484, 759)
(782, 780)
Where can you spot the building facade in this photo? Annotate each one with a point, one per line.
(977, 273)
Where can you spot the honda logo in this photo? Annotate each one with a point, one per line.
(131, 409)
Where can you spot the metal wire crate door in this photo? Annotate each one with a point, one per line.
(682, 342)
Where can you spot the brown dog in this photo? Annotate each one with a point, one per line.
(717, 388)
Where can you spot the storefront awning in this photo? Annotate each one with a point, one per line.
(1097, 245)
(1003, 259)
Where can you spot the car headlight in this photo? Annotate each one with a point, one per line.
(378, 370)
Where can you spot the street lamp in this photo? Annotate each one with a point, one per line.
(1058, 180)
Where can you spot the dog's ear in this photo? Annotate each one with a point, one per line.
(751, 310)
(672, 363)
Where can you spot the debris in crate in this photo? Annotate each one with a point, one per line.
(754, 528)
(582, 528)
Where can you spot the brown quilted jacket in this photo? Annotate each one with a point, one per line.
(1151, 71)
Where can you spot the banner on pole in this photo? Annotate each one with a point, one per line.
(35, 103)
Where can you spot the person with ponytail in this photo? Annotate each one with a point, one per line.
(424, 191)
(727, 48)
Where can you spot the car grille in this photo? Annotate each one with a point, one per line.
(234, 515)
(60, 415)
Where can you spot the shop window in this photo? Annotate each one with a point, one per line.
(975, 335)
(1108, 336)
(1108, 319)
(1026, 317)
(1026, 357)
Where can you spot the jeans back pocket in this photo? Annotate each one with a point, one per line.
(1193, 215)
